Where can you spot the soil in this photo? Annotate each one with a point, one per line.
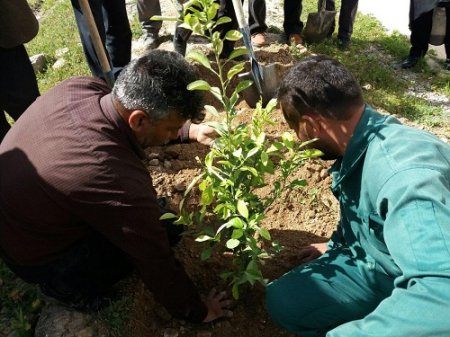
(306, 216)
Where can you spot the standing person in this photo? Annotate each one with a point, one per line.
(347, 15)
(146, 9)
(257, 25)
(114, 29)
(18, 85)
(420, 24)
(386, 270)
(78, 210)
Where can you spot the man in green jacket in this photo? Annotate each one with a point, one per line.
(386, 269)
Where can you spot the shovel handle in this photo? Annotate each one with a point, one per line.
(239, 10)
(97, 42)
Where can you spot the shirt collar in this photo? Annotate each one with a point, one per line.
(365, 131)
(109, 109)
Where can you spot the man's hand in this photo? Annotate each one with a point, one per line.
(202, 133)
(312, 252)
(217, 306)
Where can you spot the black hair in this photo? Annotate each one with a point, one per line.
(157, 84)
(319, 85)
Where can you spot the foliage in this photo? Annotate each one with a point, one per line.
(236, 169)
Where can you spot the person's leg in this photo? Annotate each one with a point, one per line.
(118, 34)
(447, 39)
(347, 17)
(88, 47)
(257, 16)
(257, 21)
(318, 296)
(292, 24)
(420, 34)
(82, 274)
(18, 85)
(146, 9)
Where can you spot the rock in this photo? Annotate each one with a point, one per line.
(153, 155)
(39, 62)
(59, 321)
(61, 52)
(154, 162)
(167, 164)
(172, 153)
(170, 333)
(59, 63)
(324, 173)
(204, 333)
(179, 187)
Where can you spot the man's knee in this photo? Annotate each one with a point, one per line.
(283, 307)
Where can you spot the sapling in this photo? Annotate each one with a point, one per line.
(231, 207)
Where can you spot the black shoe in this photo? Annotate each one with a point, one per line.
(410, 61)
(447, 64)
(343, 44)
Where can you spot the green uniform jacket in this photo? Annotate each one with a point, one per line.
(393, 185)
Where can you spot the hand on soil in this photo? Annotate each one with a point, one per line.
(217, 305)
(312, 252)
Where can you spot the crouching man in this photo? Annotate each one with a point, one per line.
(78, 210)
(386, 270)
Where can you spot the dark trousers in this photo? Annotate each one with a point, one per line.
(114, 29)
(421, 30)
(18, 85)
(257, 24)
(347, 15)
(89, 269)
(292, 11)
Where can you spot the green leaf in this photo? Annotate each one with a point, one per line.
(232, 243)
(265, 233)
(298, 183)
(203, 238)
(211, 13)
(242, 85)
(167, 216)
(206, 254)
(252, 170)
(233, 35)
(234, 70)
(242, 208)
(252, 152)
(222, 20)
(212, 110)
(207, 196)
(237, 153)
(200, 58)
(237, 233)
(199, 85)
(264, 158)
(238, 52)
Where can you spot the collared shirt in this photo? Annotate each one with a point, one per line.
(71, 165)
(393, 185)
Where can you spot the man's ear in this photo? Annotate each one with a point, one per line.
(137, 119)
(310, 126)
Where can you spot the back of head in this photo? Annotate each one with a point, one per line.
(157, 84)
(319, 85)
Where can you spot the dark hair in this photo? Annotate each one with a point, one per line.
(157, 84)
(319, 85)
